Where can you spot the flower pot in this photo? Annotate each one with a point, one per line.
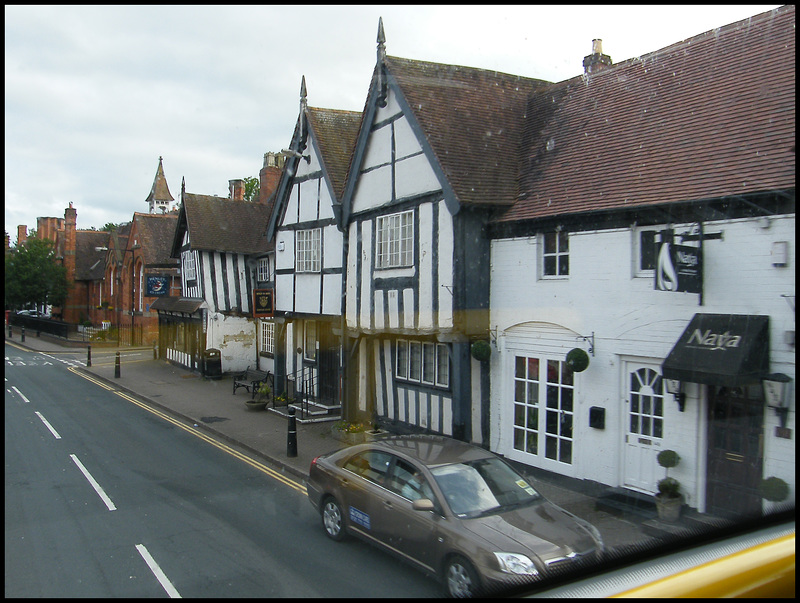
(668, 507)
(374, 434)
(256, 405)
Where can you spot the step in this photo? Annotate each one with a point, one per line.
(621, 501)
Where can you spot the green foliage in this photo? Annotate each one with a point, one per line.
(577, 360)
(668, 458)
(774, 489)
(34, 276)
(669, 487)
(348, 427)
(252, 189)
(481, 350)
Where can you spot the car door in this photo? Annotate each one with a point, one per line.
(361, 485)
(411, 533)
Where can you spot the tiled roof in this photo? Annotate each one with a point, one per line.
(335, 131)
(708, 117)
(90, 263)
(472, 119)
(225, 225)
(155, 233)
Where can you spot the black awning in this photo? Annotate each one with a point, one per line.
(721, 349)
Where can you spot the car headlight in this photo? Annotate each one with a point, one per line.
(514, 563)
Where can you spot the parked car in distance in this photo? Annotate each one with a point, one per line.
(29, 313)
(454, 510)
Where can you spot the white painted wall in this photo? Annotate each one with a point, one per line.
(632, 322)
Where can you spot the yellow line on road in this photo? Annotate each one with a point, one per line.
(205, 437)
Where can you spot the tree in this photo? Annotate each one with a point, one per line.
(33, 276)
(252, 189)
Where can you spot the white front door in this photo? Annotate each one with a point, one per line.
(644, 429)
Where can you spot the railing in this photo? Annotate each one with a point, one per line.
(302, 392)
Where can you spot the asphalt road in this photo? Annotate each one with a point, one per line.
(104, 498)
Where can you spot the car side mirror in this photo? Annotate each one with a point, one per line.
(423, 504)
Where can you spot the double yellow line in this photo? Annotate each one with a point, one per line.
(205, 437)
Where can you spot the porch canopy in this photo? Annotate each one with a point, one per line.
(184, 305)
(721, 349)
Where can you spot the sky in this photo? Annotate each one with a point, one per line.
(94, 95)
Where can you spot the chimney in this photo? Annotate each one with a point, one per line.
(70, 226)
(236, 188)
(270, 175)
(22, 234)
(597, 61)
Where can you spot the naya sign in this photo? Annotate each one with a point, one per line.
(679, 268)
(714, 341)
(157, 285)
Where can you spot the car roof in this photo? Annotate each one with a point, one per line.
(432, 450)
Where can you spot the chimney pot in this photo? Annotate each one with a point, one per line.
(236, 189)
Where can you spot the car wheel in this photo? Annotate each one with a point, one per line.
(333, 519)
(460, 578)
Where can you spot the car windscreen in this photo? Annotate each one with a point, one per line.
(481, 487)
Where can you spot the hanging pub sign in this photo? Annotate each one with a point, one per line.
(263, 302)
(678, 267)
(157, 285)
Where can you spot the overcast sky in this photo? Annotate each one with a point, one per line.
(94, 95)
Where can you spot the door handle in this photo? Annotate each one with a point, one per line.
(737, 458)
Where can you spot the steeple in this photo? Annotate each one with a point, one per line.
(159, 196)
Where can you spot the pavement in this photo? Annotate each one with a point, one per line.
(209, 405)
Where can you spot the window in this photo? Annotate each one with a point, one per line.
(646, 251)
(537, 379)
(408, 481)
(310, 340)
(423, 362)
(370, 465)
(395, 240)
(308, 250)
(646, 404)
(556, 254)
(268, 337)
(263, 270)
(189, 266)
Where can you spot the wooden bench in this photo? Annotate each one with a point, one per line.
(251, 380)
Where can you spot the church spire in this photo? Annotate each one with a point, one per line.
(159, 196)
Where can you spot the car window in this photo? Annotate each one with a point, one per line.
(371, 465)
(486, 485)
(407, 481)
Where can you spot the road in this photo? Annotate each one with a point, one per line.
(104, 498)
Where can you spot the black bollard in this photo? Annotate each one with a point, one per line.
(116, 366)
(291, 442)
(89, 355)
(22, 337)
(10, 334)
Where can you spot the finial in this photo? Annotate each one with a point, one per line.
(381, 40)
(303, 93)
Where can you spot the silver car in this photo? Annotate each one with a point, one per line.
(454, 510)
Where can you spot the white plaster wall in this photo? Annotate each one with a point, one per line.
(631, 320)
(235, 338)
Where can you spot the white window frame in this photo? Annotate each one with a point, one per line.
(310, 340)
(638, 251)
(189, 266)
(394, 240)
(558, 255)
(308, 244)
(263, 270)
(541, 396)
(268, 337)
(423, 362)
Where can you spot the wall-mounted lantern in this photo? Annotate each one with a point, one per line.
(776, 393)
(675, 387)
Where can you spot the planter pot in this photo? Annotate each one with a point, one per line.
(348, 437)
(374, 434)
(256, 405)
(668, 507)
